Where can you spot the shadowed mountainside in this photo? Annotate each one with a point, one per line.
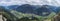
(38, 10)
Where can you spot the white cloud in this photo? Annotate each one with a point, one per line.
(32, 2)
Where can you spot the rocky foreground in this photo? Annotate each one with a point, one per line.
(1, 18)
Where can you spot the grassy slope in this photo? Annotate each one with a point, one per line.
(20, 15)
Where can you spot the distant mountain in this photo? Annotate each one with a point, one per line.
(13, 7)
(1, 10)
(58, 10)
(43, 10)
(38, 10)
(26, 8)
(53, 8)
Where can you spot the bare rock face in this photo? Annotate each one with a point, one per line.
(56, 18)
